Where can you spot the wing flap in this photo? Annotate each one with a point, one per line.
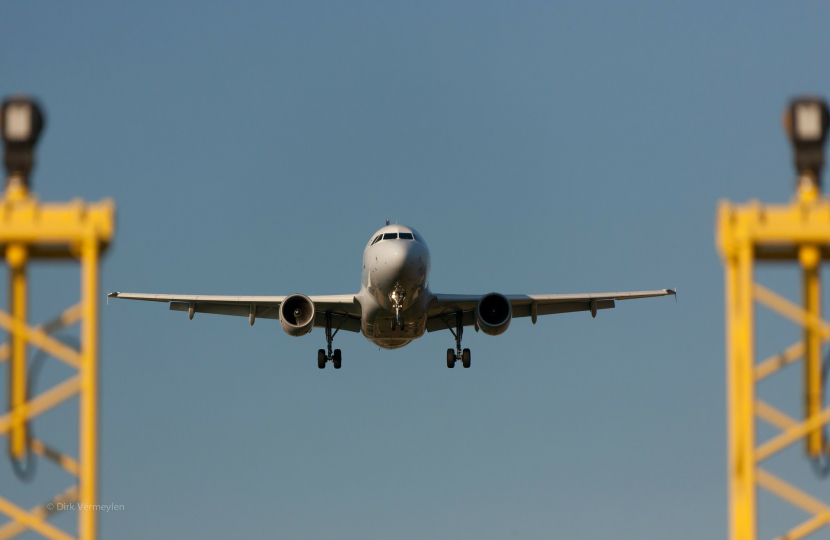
(442, 322)
(523, 310)
(262, 312)
(345, 308)
(447, 320)
(443, 307)
(349, 323)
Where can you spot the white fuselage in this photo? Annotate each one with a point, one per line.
(394, 293)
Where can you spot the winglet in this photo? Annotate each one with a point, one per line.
(673, 292)
(111, 295)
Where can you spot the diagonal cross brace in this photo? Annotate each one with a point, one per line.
(799, 499)
(42, 512)
(789, 310)
(45, 401)
(70, 316)
(39, 337)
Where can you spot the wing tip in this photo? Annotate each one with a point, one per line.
(113, 294)
(672, 292)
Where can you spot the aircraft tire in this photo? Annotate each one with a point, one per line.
(321, 358)
(466, 358)
(450, 358)
(336, 358)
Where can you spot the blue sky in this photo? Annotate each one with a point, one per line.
(253, 148)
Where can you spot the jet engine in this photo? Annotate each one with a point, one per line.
(297, 315)
(493, 313)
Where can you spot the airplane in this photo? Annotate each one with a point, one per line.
(395, 304)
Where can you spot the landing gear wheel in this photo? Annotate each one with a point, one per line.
(336, 358)
(450, 358)
(465, 358)
(321, 358)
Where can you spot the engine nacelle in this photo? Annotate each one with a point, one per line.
(297, 315)
(493, 313)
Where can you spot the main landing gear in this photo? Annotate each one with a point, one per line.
(458, 354)
(322, 358)
(335, 356)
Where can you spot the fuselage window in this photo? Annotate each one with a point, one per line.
(377, 238)
(390, 236)
(405, 236)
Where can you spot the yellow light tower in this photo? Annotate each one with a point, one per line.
(30, 231)
(799, 233)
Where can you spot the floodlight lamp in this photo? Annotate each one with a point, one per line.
(21, 122)
(806, 122)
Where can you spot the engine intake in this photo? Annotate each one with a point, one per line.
(297, 315)
(493, 313)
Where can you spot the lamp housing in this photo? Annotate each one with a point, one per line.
(806, 121)
(21, 122)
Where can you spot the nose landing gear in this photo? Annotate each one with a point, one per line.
(458, 354)
(335, 356)
(397, 296)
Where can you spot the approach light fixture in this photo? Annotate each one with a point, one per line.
(806, 121)
(21, 122)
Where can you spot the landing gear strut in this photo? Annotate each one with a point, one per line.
(397, 296)
(324, 356)
(458, 354)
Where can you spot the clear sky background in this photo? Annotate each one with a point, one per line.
(253, 148)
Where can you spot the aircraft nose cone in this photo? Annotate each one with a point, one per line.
(403, 256)
(397, 257)
(405, 265)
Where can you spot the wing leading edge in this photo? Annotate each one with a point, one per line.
(265, 307)
(444, 307)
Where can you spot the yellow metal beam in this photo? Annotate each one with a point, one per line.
(88, 484)
(41, 340)
(773, 416)
(798, 233)
(790, 493)
(29, 231)
(61, 227)
(775, 231)
(16, 255)
(45, 401)
(43, 511)
(32, 520)
(790, 310)
(740, 375)
(797, 498)
(792, 435)
(70, 316)
(772, 364)
(808, 527)
(65, 462)
(810, 256)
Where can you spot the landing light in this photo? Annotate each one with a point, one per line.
(21, 122)
(806, 121)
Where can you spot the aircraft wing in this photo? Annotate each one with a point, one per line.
(342, 306)
(444, 307)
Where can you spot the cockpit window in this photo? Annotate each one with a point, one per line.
(405, 236)
(419, 238)
(377, 238)
(390, 236)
